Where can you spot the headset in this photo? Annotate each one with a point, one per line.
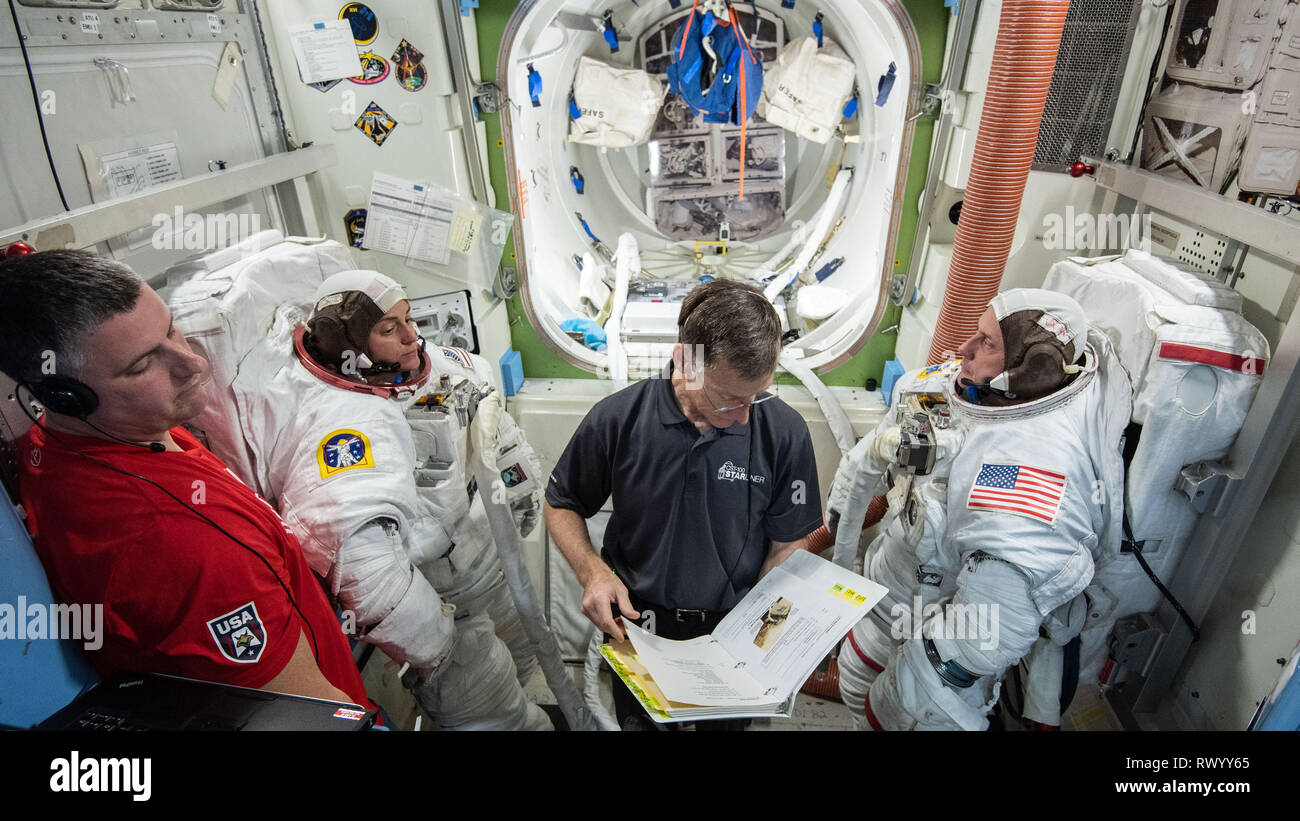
(1034, 377)
(71, 397)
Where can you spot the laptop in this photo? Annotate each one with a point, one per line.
(159, 702)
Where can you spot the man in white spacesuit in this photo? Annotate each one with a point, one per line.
(998, 468)
(368, 441)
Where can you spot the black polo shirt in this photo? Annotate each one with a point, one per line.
(694, 515)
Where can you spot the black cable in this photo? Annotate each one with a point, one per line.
(1151, 79)
(1132, 435)
(1187, 619)
(227, 534)
(36, 100)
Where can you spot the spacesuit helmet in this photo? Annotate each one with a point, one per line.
(1043, 337)
(347, 305)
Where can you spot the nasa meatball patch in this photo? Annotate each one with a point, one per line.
(239, 634)
(343, 450)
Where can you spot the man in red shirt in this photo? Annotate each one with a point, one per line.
(198, 575)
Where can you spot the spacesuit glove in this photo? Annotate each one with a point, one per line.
(527, 511)
(484, 431)
(872, 453)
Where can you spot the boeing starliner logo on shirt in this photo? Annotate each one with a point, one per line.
(737, 473)
(1018, 489)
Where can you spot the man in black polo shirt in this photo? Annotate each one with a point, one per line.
(714, 481)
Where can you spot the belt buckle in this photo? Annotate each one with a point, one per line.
(691, 615)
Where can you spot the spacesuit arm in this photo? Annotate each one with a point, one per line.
(937, 681)
(858, 479)
(501, 445)
(861, 467)
(376, 581)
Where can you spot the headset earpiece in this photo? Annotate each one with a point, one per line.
(64, 395)
(1041, 371)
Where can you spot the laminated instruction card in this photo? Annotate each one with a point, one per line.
(758, 656)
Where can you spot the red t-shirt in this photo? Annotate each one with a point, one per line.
(179, 596)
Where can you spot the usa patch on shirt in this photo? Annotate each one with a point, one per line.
(1018, 489)
(239, 634)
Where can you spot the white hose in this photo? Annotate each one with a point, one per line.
(849, 532)
(841, 427)
(821, 225)
(600, 717)
(627, 260)
(521, 587)
(797, 237)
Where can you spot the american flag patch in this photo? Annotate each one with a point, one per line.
(1018, 489)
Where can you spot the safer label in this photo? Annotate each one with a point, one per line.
(214, 24)
(90, 23)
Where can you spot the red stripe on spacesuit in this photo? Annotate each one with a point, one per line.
(871, 717)
(1209, 356)
(1060, 478)
(867, 660)
(1026, 500)
(1013, 509)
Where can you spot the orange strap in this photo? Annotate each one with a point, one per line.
(682, 49)
(744, 98)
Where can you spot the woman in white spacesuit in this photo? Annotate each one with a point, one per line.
(373, 438)
(988, 545)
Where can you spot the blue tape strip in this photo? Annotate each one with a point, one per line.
(829, 268)
(611, 34)
(587, 228)
(534, 86)
(886, 85)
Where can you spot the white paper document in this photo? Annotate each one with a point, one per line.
(325, 51)
(784, 627)
(769, 644)
(136, 169)
(697, 671)
(408, 219)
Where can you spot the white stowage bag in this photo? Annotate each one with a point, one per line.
(619, 105)
(805, 91)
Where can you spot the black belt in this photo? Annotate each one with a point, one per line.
(689, 616)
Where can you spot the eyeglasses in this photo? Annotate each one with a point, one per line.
(762, 397)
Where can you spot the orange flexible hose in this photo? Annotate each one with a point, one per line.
(1029, 35)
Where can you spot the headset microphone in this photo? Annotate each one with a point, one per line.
(154, 447)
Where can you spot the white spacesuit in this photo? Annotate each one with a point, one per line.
(991, 532)
(374, 478)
